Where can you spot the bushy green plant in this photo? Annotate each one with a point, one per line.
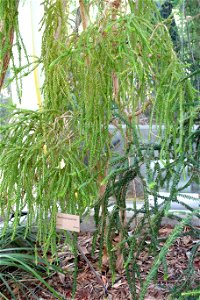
(147, 218)
(56, 158)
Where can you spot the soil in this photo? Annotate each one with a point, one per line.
(89, 288)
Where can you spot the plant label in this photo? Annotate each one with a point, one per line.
(68, 222)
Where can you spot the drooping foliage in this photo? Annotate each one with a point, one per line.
(120, 63)
(191, 38)
(188, 20)
(166, 12)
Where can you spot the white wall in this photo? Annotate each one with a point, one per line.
(30, 15)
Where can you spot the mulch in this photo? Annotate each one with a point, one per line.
(88, 287)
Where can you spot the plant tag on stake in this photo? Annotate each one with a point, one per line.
(68, 222)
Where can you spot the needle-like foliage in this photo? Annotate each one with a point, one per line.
(120, 64)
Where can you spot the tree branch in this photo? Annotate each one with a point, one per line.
(6, 58)
(83, 14)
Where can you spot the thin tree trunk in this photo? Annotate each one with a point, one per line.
(7, 56)
(6, 59)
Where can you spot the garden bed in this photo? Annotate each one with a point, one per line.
(88, 287)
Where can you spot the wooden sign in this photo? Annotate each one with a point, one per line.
(68, 222)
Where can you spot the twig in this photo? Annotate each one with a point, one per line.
(142, 110)
(91, 266)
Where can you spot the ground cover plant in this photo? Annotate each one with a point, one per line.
(115, 62)
(20, 275)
